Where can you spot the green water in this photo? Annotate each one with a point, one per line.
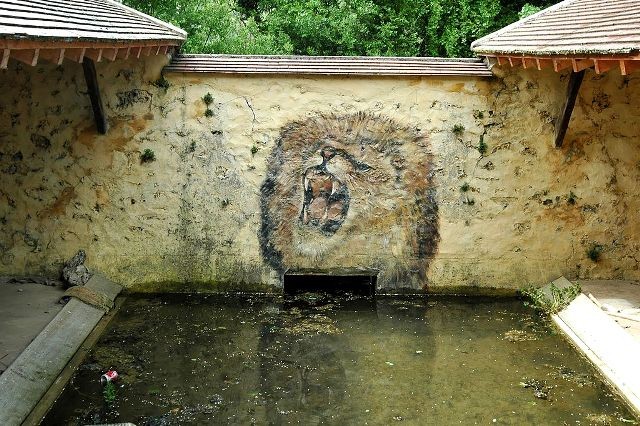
(314, 359)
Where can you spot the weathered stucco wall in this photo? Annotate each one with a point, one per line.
(229, 201)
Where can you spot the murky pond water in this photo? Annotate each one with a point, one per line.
(315, 359)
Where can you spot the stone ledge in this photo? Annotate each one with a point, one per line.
(613, 351)
(36, 368)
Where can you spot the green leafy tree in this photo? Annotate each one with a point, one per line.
(213, 26)
(337, 27)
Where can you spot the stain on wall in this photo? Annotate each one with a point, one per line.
(332, 179)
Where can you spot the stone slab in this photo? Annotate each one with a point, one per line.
(25, 309)
(609, 347)
(33, 372)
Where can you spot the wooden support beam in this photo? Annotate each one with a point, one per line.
(146, 51)
(91, 78)
(124, 53)
(602, 65)
(515, 62)
(581, 64)
(27, 56)
(94, 54)
(627, 67)
(55, 56)
(544, 63)
(76, 55)
(110, 53)
(6, 54)
(575, 80)
(529, 63)
(501, 60)
(560, 64)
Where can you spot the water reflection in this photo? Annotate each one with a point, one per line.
(318, 359)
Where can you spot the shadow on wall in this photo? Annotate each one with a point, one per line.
(350, 193)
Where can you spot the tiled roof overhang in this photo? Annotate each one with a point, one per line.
(31, 30)
(573, 34)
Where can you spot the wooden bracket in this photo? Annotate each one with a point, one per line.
(91, 78)
(575, 80)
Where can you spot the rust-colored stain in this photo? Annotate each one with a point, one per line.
(86, 136)
(102, 196)
(138, 124)
(458, 87)
(59, 206)
(568, 214)
(148, 116)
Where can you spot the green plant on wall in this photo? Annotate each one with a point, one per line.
(594, 252)
(162, 83)
(254, 150)
(552, 301)
(571, 199)
(465, 187)
(208, 100)
(147, 156)
(458, 129)
(482, 147)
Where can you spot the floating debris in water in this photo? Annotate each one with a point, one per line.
(600, 419)
(519, 336)
(562, 372)
(540, 388)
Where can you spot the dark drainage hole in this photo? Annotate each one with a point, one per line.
(362, 285)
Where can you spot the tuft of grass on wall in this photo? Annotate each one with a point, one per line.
(458, 129)
(595, 252)
(147, 156)
(482, 147)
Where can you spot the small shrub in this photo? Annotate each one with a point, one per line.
(192, 146)
(225, 202)
(208, 113)
(208, 99)
(478, 115)
(594, 252)
(458, 129)
(254, 150)
(571, 199)
(147, 156)
(162, 83)
(465, 187)
(553, 303)
(482, 147)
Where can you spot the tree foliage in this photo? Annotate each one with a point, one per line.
(337, 27)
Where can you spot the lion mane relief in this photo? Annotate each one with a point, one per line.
(350, 194)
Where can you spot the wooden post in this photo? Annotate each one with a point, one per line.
(91, 78)
(575, 80)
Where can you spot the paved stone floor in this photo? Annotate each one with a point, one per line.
(619, 299)
(25, 309)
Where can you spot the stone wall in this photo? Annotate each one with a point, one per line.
(428, 182)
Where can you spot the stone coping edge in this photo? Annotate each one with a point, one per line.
(613, 351)
(27, 379)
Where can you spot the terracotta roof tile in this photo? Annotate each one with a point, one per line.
(571, 27)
